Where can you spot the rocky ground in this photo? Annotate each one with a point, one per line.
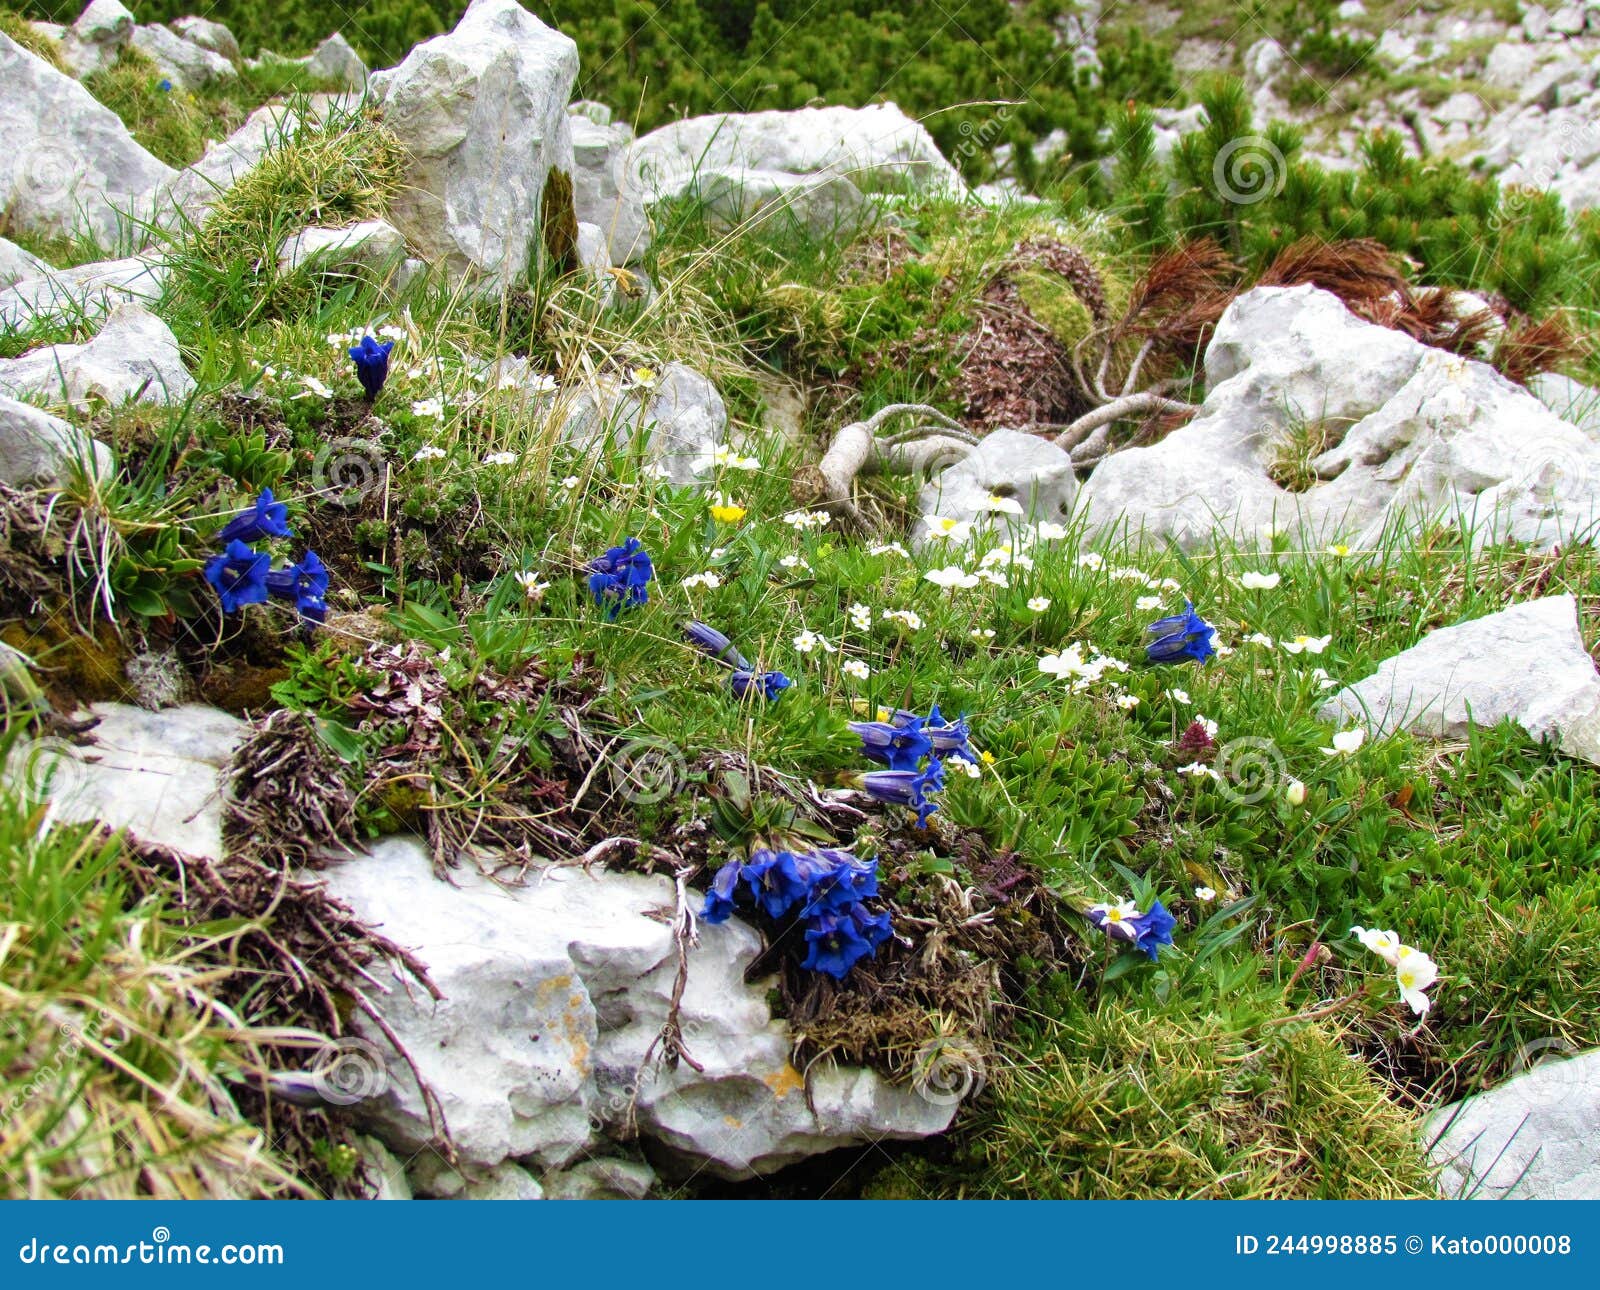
(379, 476)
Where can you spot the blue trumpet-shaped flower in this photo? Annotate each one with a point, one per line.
(371, 358)
(949, 738)
(305, 583)
(1180, 636)
(1153, 929)
(266, 518)
(836, 942)
(898, 743)
(776, 881)
(768, 684)
(239, 575)
(913, 788)
(717, 646)
(838, 879)
(719, 897)
(617, 579)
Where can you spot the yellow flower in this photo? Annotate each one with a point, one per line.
(1339, 549)
(986, 757)
(726, 511)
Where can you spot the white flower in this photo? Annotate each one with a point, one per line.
(1259, 638)
(733, 460)
(1050, 531)
(940, 526)
(500, 459)
(1178, 696)
(1127, 702)
(538, 383)
(1039, 604)
(1414, 973)
(428, 452)
(1205, 894)
(1294, 793)
(1114, 915)
(951, 576)
(1259, 581)
(889, 548)
(1310, 644)
(1323, 680)
(808, 640)
(1127, 573)
(1147, 603)
(1002, 557)
(1197, 769)
(794, 562)
(860, 617)
(983, 634)
(968, 768)
(1070, 664)
(314, 389)
(1345, 742)
(1269, 531)
(1386, 945)
(856, 668)
(1206, 724)
(994, 576)
(531, 586)
(1091, 560)
(706, 579)
(570, 482)
(907, 618)
(427, 408)
(997, 505)
(1339, 549)
(802, 520)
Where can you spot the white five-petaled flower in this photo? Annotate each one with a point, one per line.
(1050, 531)
(1323, 680)
(1346, 742)
(997, 505)
(889, 548)
(907, 618)
(1308, 644)
(794, 562)
(570, 482)
(856, 668)
(733, 459)
(1146, 603)
(707, 579)
(802, 520)
(1127, 702)
(500, 459)
(531, 586)
(951, 577)
(1038, 604)
(1415, 973)
(942, 526)
(993, 576)
(1205, 894)
(314, 389)
(959, 763)
(427, 408)
(1091, 560)
(1386, 945)
(860, 617)
(1197, 770)
(808, 640)
(1259, 581)
(428, 452)
(985, 634)
(1206, 724)
(1113, 915)
(1178, 696)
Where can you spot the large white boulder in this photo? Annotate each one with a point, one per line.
(1531, 1138)
(134, 357)
(877, 148)
(1526, 663)
(1420, 435)
(602, 187)
(208, 35)
(69, 167)
(1008, 464)
(482, 114)
(37, 448)
(189, 66)
(821, 206)
(86, 293)
(103, 30)
(681, 419)
(553, 993)
(17, 264)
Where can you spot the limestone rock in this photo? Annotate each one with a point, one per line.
(208, 35)
(384, 1170)
(16, 264)
(134, 356)
(1008, 464)
(103, 30)
(37, 448)
(1532, 1138)
(682, 419)
(336, 62)
(482, 112)
(86, 293)
(601, 1179)
(371, 246)
(188, 65)
(602, 189)
(1526, 663)
(69, 166)
(821, 206)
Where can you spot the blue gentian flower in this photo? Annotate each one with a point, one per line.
(266, 518)
(835, 943)
(164, 85)
(617, 579)
(719, 897)
(775, 880)
(239, 575)
(371, 358)
(837, 879)
(769, 684)
(306, 583)
(949, 738)
(898, 743)
(713, 643)
(1153, 929)
(1180, 636)
(907, 788)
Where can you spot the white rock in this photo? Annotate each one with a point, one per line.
(134, 356)
(208, 35)
(553, 994)
(878, 148)
(16, 264)
(103, 30)
(152, 773)
(372, 246)
(482, 113)
(681, 418)
(336, 62)
(1532, 1138)
(1569, 399)
(1568, 20)
(388, 1175)
(69, 166)
(1426, 436)
(189, 66)
(601, 1179)
(602, 187)
(504, 1182)
(821, 206)
(1526, 664)
(37, 448)
(1013, 464)
(86, 293)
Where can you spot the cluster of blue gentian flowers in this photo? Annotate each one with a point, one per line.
(743, 676)
(371, 358)
(826, 889)
(1146, 932)
(1179, 637)
(914, 749)
(619, 579)
(244, 576)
